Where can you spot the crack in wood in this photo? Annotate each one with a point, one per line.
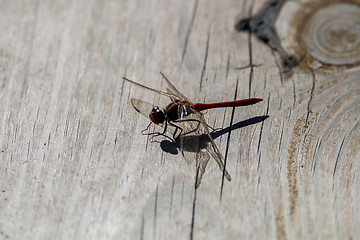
(196, 3)
(205, 60)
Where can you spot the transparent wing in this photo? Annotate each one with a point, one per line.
(200, 166)
(190, 141)
(151, 89)
(142, 107)
(168, 90)
(189, 145)
(195, 137)
(213, 150)
(172, 89)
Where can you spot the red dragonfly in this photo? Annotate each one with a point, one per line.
(186, 117)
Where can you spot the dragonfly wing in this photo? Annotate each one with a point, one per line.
(188, 141)
(213, 150)
(215, 153)
(188, 156)
(195, 137)
(142, 107)
(173, 89)
(149, 88)
(192, 147)
(202, 160)
(168, 90)
(205, 140)
(189, 144)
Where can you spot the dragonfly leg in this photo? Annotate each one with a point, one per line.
(190, 120)
(212, 128)
(175, 135)
(151, 139)
(156, 134)
(144, 130)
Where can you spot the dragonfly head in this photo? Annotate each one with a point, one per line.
(157, 116)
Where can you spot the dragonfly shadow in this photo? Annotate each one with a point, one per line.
(199, 147)
(186, 143)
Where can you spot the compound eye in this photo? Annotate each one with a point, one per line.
(157, 116)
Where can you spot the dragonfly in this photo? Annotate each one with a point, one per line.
(187, 118)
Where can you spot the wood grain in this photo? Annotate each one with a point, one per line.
(74, 164)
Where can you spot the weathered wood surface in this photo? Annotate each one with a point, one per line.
(74, 164)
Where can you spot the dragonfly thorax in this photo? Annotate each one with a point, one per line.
(157, 116)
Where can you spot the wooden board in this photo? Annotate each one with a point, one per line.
(74, 164)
